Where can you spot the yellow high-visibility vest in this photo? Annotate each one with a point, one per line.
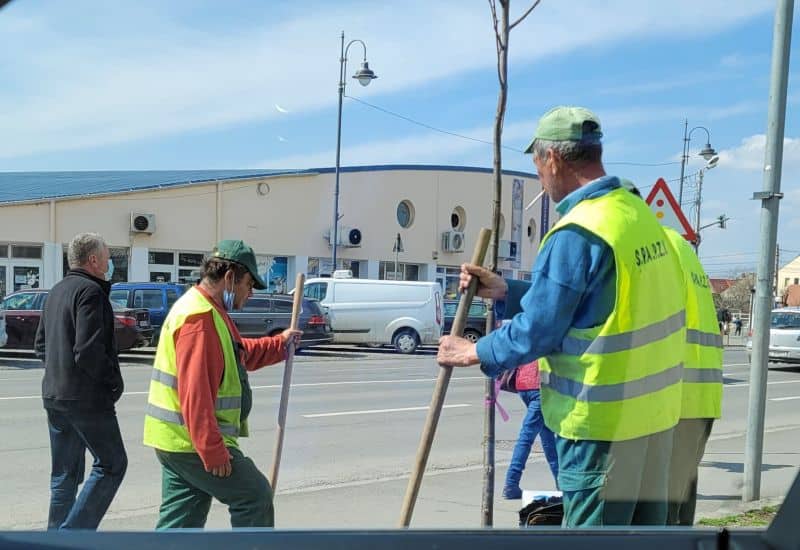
(702, 369)
(164, 426)
(622, 379)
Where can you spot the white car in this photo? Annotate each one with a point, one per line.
(3, 333)
(784, 336)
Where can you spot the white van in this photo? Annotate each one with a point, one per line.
(405, 314)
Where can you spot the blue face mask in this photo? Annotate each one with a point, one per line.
(110, 272)
(227, 299)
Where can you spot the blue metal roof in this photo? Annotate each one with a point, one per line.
(33, 186)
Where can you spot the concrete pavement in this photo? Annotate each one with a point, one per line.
(354, 427)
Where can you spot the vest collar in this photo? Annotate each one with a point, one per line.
(592, 190)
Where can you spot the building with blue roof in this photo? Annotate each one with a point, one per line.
(160, 224)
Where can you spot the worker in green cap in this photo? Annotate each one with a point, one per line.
(200, 398)
(605, 316)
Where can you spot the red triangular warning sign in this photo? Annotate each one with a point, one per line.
(667, 210)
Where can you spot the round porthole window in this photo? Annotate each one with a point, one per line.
(405, 213)
(532, 230)
(458, 219)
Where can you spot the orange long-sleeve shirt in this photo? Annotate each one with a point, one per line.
(200, 366)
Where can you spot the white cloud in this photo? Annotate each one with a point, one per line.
(124, 78)
(749, 155)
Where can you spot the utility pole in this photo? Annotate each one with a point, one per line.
(770, 201)
(777, 265)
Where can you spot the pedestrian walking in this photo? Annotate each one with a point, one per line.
(200, 397)
(82, 382)
(605, 314)
(737, 323)
(527, 386)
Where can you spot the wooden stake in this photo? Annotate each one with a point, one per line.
(439, 392)
(287, 384)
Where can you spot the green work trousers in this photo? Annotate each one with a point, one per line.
(187, 489)
(691, 436)
(614, 483)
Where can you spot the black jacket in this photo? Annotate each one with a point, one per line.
(75, 339)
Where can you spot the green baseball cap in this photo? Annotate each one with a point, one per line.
(237, 251)
(566, 123)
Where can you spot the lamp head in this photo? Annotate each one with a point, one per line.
(712, 162)
(365, 75)
(707, 152)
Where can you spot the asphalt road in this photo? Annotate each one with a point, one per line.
(354, 423)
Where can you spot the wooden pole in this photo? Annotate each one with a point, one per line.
(439, 392)
(287, 384)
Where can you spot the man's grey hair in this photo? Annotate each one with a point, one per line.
(572, 152)
(82, 246)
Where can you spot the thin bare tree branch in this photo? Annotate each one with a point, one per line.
(524, 15)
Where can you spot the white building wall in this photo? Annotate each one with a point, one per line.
(286, 217)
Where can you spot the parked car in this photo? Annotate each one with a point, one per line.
(405, 314)
(476, 319)
(3, 334)
(23, 309)
(271, 314)
(157, 298)
(784, 336)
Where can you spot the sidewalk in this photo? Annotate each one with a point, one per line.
(451, 498)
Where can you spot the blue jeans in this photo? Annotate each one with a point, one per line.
(532, 425)
(71, 434)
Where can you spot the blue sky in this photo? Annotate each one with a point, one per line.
(195, 84)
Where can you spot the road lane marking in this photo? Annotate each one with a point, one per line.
(302, 385)
(785, 398)
(360, 382)
(743, 384)
(378, 411)
(737, 435)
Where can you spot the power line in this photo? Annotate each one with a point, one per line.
(478, 140)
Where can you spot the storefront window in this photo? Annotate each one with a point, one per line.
(447, 277)
(161, 258)
(32, 252)
(3, 251)
(405, 272)
(26, 277)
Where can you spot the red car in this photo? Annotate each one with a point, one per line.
(24, 308)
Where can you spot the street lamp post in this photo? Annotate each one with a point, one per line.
(709, 165)
(707, 152)
(364, 75)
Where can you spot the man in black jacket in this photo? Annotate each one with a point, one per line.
(82, 381)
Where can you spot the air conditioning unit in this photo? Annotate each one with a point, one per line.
(507, 250)
(143, 223)
(348, 237)
(453, 241)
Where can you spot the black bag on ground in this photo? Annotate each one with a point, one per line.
(549, 511)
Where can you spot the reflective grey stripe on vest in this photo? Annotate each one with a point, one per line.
(164, 414)
(229, 403)
(627, 340)
(165, 378)
(177, 418)
(712, 340)
(172, 382)
(702, 375)
(612, 392)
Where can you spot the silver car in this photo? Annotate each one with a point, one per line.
(784, 335)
